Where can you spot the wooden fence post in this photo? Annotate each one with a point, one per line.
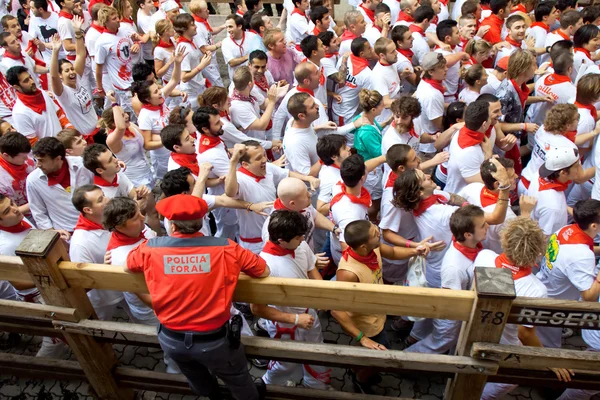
(495, 292)
(41, 251)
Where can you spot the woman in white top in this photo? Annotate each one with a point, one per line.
(475, 78)
(164, 50)
(73, 97)
(129, 28)
(127, 143)
(153, 116)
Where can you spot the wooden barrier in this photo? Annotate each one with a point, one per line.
(485, 311)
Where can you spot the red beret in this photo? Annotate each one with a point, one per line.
(182, 207)
(503, 63)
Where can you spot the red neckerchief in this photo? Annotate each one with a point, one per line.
(573, 234)
(517, 272)
(554, 79)
(541, 25)
(486, 7)
(202, 21)
(332, 55)
(513, 42)
(589, 107)
(468, 252)
(86, 225)
(472, 61)
(299, 12)
(408, 53)
(241, 97)
(402, 16)
(487, 197)
(253, 31)
(563, 35)
(522, 91)
(391, 179)
(584, 51)
(519, 7)
(187, 160)
(224, 114)
(208, 142)
(97, 27)
(414, 28)
(463, 42)
(316, 31)
(10, 55)
(262, 83)
(371, 261)
(444, 2)
(469, 138)
(368, 13)
(35, 102)
(428, 202)
(358, 64)
(571, 135)
(364, 199)
(546, 185)
(128, 20)
(118, 239)
(18, 228)
(17, 172)
(347, 35)
(277, 250)
(165, 45)
(61, 177)
(150, 107)
(304, 90)
(100, 181)
(183, 39)
(240, 13)
(65, 14)
(127, 133)
(241, 45)
(435, 84)
(250, 174)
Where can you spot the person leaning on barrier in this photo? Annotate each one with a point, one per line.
(191, 280)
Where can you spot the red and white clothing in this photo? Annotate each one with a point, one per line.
(405, 61)
(35, 116)
(552, 38)
(22, 60)
(368, 14)
(237, 48)
(44, 29)
(113, 51)
(13, 178)
(190, 161)
(91, 38)
(256, 189)
(394, 6)
(539, 31)
(129, 27)
(466, 157)
(50, 202)
(121, 186)
(232, 135)
(403, 18)
(580, 57)
(392, 137)
(359, 76)
(310, 213)
(468, 96)
(544, 141)
(8, 98)
(300, 148)
(244, 111)
(452, 76)
(346, 41)
(66, 31)
(144, 23)
(372, 33)
(294, 264)
(345, 208)
(559, 87)
(430, 94)
(79, 108)
(321, 91)
(551, 209)
(493, 83)
(386, 81)
(163, 52)
(587, 123)
(329, 64)
(298, 27)
(154, 119)
(513, 46)
(196, 85)
(204, 37)
(133, 155)
(329, 175)
(420, 45)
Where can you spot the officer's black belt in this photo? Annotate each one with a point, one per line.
(198, 336)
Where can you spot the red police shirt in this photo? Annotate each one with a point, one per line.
(191, 278)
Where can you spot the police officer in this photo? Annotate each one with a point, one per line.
(191, 279)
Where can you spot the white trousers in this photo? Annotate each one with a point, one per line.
(442, 339)
(314, 376)
(493, 391)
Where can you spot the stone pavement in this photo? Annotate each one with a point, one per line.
(394, 385)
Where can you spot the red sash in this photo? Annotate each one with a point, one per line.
(522, 91)
(469, 138)
(547, 185)
(589, 107)
(364, 199)
(541, 25)
(554, 79)
(358, 64)
(187, 160)
(202, 21)
(86, 225)
(468, 252)
(35, 102)
(61, 177)
(118, 239)
(391, 179)
(572, 234)
(18, 228)
(487, 197)
(100, 181)
(436, 84)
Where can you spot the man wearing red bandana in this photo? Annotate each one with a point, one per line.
(263, 80)
(332, 151)
(15, 165)
(289, 256)
(298, 23)
(406, 15)
(314, 51)
(14, 56)
(545, 16)
(367, 9)
(516, 27)
(403, 39)
(51, 184)
(255, 180)
(423, 17)
(522, 242)
(182, 146)
(386, 78)
(500, 11)
(204, 39)
(570, 21)
(561, 168)
(569, 271)
(355, 27)
(45, 16)
(361, 263)
(65, 27)
(447, 32)
(469, 229)
(236, 47)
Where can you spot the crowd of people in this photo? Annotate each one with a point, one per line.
(412, 134)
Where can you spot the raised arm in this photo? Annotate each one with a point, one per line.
(231, 183)
(80, 51)
(176, 76)
(57, 85)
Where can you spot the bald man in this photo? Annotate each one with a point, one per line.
(292, 194)
(204, 39)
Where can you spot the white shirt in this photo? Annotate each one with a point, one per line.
(392, 137)
(44, 29)
(300, 148)
(386, 81)
(19, 195)
(329, 176)
(192, 59)
(10, 241)
(128, 30)
(394, 6)
(133, 155)
(298, 27)
(432, 107)
(452, 76)
(372, 33)
(249, 190)
(562, 93)
(544, 141)
(8, 98)
(153, 121)
(244, 113)
(342, 213)
(123, 190)
(457, 270)
(66, 32)
(29, 63)
(579, 58)
(51, 206)
(282, 117)
(232, 135)
(551, 209)
(113, 52)
(348, 108)
(420, 46)
(235, 49)
(468, 96)
(463, 163)
(205, 38)
(79, 108)
(493, 83)
(310, 213)
(144, 23)
(33, 125)
(163, 55)
(402, 64)
(91, 37)
(551, 38)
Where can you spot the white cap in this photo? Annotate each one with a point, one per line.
(169, 5)
(558, 158)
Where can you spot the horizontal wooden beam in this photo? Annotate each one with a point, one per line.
(11, 269)
(321, 354)
(545, 379)
(363, 298)
(536, 358)
(21, 308)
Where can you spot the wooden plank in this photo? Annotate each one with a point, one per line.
(555, 313)
(11, 269)
(29, 330)
(536, 358)
(495, 292)
(284, 350)
(40, 363)
(364, 298)
(20, 308)
(546, 379)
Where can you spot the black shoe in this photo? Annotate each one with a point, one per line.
(361, 387)
(261, 387)
(259, 330)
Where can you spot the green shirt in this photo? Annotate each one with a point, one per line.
(367, 140)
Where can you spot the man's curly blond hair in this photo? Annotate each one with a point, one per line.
(560, 117)
(523, 241)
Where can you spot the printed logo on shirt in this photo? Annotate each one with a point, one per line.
(552, 251)
(190, 264)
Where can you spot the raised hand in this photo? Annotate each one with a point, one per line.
(56, 42)
(77, 22)
(179, 54)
